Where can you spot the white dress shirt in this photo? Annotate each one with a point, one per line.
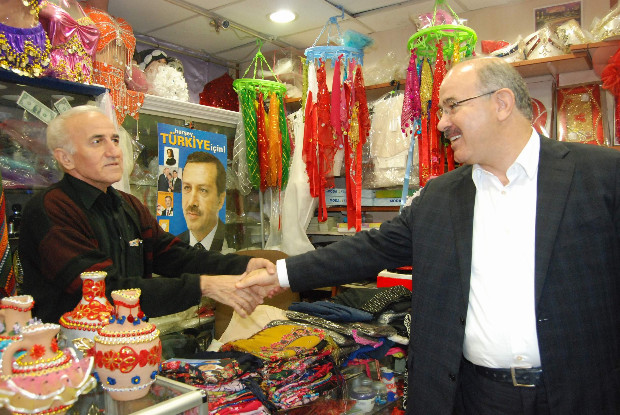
(501, 321)
(206, 241)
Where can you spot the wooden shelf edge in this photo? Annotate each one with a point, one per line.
(366, 208)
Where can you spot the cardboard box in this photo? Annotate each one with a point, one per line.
(386, 202)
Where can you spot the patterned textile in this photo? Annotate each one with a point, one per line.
(364, 331)
(331, 311)
(280, 343)
(339, 339)
(25, 51)
(371, 299)
(117, 43)
(73, 43)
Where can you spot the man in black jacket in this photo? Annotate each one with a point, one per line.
(83, 224)
(516, 262)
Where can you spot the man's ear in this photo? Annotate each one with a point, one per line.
(64, 158)
(505, 101)
(221, 200)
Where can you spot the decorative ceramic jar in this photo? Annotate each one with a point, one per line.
(44, 380)
(127, 350)
(92, 312)
(15, 314)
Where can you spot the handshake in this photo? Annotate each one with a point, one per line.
(246, 291)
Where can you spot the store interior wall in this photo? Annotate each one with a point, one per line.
(506, 23)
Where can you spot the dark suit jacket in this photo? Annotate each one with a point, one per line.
(162, 183)
(178, 185)
(218, 238)
(577, 278)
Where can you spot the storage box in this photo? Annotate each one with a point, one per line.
(341, 192)
(391, 279)
(386, 202)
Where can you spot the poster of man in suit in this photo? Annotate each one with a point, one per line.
(197, 184)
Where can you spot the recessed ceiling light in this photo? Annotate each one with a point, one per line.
(282, 16)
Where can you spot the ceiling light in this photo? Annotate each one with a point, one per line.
(282, 16)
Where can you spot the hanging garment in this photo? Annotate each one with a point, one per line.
(73, 42)
(114, 53)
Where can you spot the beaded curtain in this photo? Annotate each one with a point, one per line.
(433, 50)
(333, 121)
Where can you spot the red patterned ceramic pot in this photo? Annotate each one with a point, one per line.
(92, 312)
(127, 350)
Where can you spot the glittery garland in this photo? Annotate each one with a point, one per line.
(273, 175)
(262, 141)
(309, 150)
(456, 53)
(407, 114)
(426, 86)
(426, 92)
(247, 100)
(360, 97)
(436, 148)
(335, 105)
(326, 147)
(286, 145)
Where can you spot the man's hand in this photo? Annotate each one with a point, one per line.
(222, 288)
(262, 282)
(260, 263)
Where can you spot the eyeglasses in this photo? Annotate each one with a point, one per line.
(452, 105)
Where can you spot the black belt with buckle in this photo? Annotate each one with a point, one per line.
(526, 377)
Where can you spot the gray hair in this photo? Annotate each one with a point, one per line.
(495, 73)
(57, 134)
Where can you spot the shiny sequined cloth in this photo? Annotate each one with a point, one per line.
(25, 51)
(73, 44)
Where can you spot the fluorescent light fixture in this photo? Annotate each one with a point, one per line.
(282, 16)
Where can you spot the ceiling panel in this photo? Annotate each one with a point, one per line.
(306, 39)
(361, 6)
(255, 14)
(212, 5)
(200, 35)
(160, 13)
(189, 23)
(390, 19)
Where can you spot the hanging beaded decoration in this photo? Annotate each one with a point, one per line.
(114, 53)
(333, 124)
(252, 93)
(437, 45)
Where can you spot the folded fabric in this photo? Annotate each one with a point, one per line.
(282, 342)
(362, 329)
(372, 300)
(339, 339)
(331, 311)
(242, 328)
(388, 316)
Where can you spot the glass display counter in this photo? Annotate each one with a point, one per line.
(166, 397)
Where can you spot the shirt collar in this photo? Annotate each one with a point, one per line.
(206, 241)
(527, 159)
(89, 194)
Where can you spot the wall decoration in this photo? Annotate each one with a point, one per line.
(557, 14)
(579, 115)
